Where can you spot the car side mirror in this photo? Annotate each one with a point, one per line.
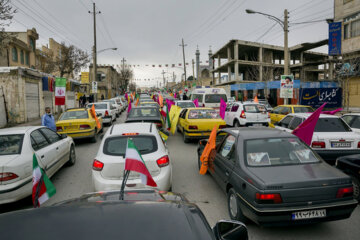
(63, 136)
(230, 230)
(98, 114)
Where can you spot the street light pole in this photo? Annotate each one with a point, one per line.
(94, 48)
(286, 46)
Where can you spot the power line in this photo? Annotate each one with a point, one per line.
(266, 32)
(107, 30)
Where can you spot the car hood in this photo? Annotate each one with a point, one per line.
(294, 176)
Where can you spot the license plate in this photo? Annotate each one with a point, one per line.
(309, 214)
(257, 125)
(70, 127)
(341, 144)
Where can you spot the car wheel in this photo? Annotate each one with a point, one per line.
(117, 115)
(177, 129)
(102, 129)
(93, 139)
(186, 140)
(234, 206)
(72, 156)
(356, 184)
(236, 123)
(199, 162)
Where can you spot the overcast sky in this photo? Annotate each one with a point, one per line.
(148, 32)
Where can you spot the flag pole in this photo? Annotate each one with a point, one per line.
(126, 175)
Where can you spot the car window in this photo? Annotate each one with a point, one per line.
(303, 109)
(183, 113)
(356, 122)
(331, 125)
(203, 114)
(100, 106)
(11, 144)
(186, 104)
(39, 141)
(277, 110)
(51, 135)
(286, 121)
(219, 137)
(285, 111)
(235, 107)
(144, 112)
(277, 151)
(227, 147)
(295, 123)
(348, 119)
(74, 115)
(251, 108)
(215, 98)
(199, 97)
(116, 146)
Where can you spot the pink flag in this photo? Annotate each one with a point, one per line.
(129, 108)
(222, 108)
(332, 112)
(175, 95)
(169, 103)
(196, 102)
(306, 129)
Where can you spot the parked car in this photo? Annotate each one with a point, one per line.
(185, 104)
(246, 114)
(78, 123)
(272, 178)
(149, 215)
(150, 103)
(197, 123)
(353, 120)
(281, 111)
(105, 110)
(120, 103)
(269, 108)
(209, 97)
(332, 137)
(17, 146)
(115, 105)
(109, 163)
(145, 114)
(351, 166)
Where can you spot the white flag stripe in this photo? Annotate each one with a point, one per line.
(36, 175)
(43, 198)
(133, 154)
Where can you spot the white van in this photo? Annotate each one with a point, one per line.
(209, 97)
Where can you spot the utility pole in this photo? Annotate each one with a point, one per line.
(193, 68)
(163, 73)
(123, 72)
(183, 48)
(94, 48)
(286, 48)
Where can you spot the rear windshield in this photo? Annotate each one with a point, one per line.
(11, 144)
(98, 106)
(252, 109)
(277, 151)
(331, 125)
(116, 146)
(74, 115)
(186, 104)
(110, 101)
(203, 114)
(199, 97)
(154, 104)
(144, 112)
(215, 98)
(303, 109)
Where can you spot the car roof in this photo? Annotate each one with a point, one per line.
(105, 220)
(148, 102)
(136, 127)
(306, 115)
(185, 101)
(258, 132)
(352, 114)
(76, 109)
(293, 105)
(200, 108)
(18, 130)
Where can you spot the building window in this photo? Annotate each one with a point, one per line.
(22, 57)
(346, 31)
(14, 54)
(347, 1)
(32, 44)
(27, 62)
(355, 28)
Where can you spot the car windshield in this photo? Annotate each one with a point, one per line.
(331, 125)
(186, 104)
(98, 106)
(11, 144)
(203, 114)
(144, 112)
(277, 152)
(303, 109)
(215, 98)
(74, 115)
(116, 146)
(253, 108)
(199, 97)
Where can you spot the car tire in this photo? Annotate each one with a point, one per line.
(102, 129)
(72, 156)
(237, 124)
(356, 184)
(234, 209)
(186, 140)
(93, 139)
(178, 130)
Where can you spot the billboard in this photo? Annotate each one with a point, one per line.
(84, 77)
(335, 38)
(287, 86)
(315, 97)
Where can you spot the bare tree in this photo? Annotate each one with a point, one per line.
(6, 14)
(126, 74)
(132, 87)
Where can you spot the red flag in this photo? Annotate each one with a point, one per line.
(306, 129)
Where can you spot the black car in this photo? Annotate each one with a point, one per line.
(351, 165)
(273, 178)
(143, 214)
(145, 114)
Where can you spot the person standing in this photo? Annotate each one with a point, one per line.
(48, 120)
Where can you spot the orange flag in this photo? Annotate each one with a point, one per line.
(137, 102)
(93, 113)
(256, 99)
(161, 100)
(206, 153)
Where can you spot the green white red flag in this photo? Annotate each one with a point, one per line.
(134, 162)
(168, 122)
(42, 189)
(60, 90)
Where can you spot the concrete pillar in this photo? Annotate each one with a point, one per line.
(261, 60)
(219, 60)
(331, 68)
(236, 51)
(229, 54)
(219, 77)
(229, 73)
(236, 58)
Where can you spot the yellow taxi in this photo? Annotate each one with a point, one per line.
(149, 104)
(281, 111)
(197, 123)
(79, 123)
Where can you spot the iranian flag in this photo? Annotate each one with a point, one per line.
(134, 162)
(168, 123)
(42, 189)
(60, 90)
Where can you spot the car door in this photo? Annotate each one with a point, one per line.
(227, 113)
(224, 161)
(274, 115)
(233, 112)
(284, 124)
(182, 117)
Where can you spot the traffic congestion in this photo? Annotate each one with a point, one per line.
(267, 174)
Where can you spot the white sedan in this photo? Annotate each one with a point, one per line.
(109, 163)
(17, 146)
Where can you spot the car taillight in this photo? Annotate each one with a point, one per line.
(193, 127)
(7, 176)
(59, 129)
(159, 125)
(318, 144)
(358, 144)
(163, 162)
(83, 127)
(203, 105)
(345, 192)
(106, 113)
(268, 198)
(242, 115)
(222, 126)
(97, 165)
(268, 115)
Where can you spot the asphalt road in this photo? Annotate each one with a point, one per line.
(74, 181)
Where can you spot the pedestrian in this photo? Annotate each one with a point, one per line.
(48, 119)
(102, 97)
(185, 96)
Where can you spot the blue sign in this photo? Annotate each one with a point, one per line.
(315, 97)
(260, 85)
(335, 38)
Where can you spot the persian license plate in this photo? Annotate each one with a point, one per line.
(309, 214)
(341, 144)
(70, 127)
